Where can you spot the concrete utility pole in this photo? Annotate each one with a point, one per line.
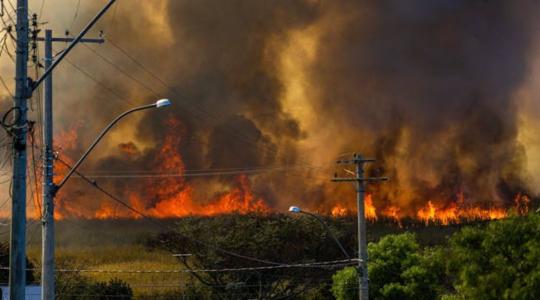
(361, 183)
(17, 255)
(24, 87)
(47, 229)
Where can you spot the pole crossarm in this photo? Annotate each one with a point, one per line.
(355, 160)
(81, 35)
(68, 40)
(369, 179)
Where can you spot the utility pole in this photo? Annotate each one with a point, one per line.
(47, 229)
(24, 87)
(17, 255)
(360, 184)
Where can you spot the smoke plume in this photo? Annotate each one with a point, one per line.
(434, 90)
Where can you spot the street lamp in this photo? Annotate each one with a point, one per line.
(298, 210)
(51, 189)
(157, 104)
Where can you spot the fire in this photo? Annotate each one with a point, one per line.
(174, 196)
(239, 200)
(522, 203)
(393, 213)
(370, 210)
(339, 211)
(452, 213)
(129, 149)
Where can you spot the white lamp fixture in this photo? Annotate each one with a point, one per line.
(295, 209)
(163, 103)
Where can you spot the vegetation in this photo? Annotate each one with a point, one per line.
(501, 261)
(74, 286)
(498, 261)
(272, 238)
(4, 263)
(485, 260)
(398, 269)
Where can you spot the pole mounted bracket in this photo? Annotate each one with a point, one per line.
(54, 189)
(30, 88)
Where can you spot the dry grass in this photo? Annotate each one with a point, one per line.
(112, 245)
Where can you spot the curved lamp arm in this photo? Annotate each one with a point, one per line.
(296, 209)
(158, 104)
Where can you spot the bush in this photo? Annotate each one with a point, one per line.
(500, 261)
(114, 289)
(345, 286)
(275, 238)
(4, 262)
(76, 286)
(397, 268)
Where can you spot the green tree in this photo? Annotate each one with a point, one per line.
(114, 289)
(397, 268)
(74, 286)
(276, 238)
(498, 261)
(345, 284)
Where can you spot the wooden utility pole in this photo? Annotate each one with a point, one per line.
(360, 184)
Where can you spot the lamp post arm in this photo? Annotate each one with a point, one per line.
(329, 230)
(96, 141)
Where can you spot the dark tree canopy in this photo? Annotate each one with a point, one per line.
(275, 238)
(496, 260)
(4, 262)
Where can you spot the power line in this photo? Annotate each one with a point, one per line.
(75, 15)
(116, 172)
(110, 90)
(195, 110)
(41, 9)
(199, 174)
(146, 217)
(125, 73)
(321, 264)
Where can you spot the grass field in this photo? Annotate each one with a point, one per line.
(113, 245)
(110, 245)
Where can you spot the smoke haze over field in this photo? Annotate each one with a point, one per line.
(442, 93)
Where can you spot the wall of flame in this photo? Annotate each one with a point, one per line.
(441, 93)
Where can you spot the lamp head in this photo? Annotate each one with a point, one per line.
(163, 103)
(295, 209)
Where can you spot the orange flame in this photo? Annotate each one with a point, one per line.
(172, 197)
(369, 209)
(454, 212)
(393, 213)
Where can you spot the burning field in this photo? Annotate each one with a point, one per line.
(268, 94)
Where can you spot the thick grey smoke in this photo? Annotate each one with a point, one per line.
(435, 83)
(426, 87)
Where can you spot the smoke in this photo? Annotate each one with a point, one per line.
(434, 83)
(431, 89)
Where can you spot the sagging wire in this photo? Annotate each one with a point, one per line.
(37, 199)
